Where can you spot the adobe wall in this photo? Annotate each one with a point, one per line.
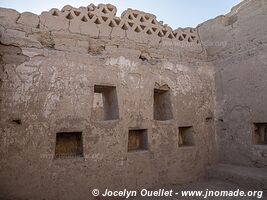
(236, 45)
(50, 65)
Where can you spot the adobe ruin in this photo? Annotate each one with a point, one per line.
(91, 100)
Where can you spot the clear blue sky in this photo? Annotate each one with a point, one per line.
(175, 13)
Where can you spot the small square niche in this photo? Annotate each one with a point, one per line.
(137, 140)
(69, 144)
(260, 134)
(105, 103)
(186, 136)
(162, 105)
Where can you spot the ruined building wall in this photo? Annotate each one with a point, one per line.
(107, 80)
(236, 45)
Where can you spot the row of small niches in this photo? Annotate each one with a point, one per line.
(105, 104)
(70, 144)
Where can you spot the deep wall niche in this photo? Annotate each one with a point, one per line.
(105, 103)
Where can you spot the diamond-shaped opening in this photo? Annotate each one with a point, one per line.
(104, 18)
(142, 19)
(143, 27)
(130, 17)
(112, 24)
(97, 21)
(135, 15)
(77, 13)
(160, 34)
(149, 32)
(131, 24)
(69, 16)
(137, 30)
(124, 27)
(104, 11)
(84, 19)
(90, 15)
(118, 21)
(170, 36)
(154, 29)
(180, 38)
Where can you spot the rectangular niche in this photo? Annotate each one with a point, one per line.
(137, 140)
(260, 134)
(186, 136)
(69, 144)
(162, 105)
(105, 103)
